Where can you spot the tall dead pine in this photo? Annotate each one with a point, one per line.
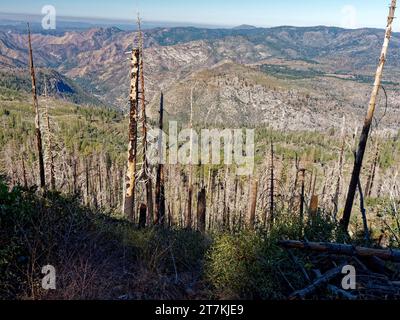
(37, 115)
(302, 194)
(253, 203)
(336, 197)
(190, 184)
(272, 188)
(201, 210)
(130, 178)
(372, 173)
(48, 145)
(368, 121)
(146, 168)
(24, 171)
(160, 186)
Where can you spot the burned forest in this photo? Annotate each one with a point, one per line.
(191, 163)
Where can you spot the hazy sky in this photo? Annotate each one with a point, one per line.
(342, 13)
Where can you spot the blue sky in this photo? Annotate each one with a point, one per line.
(342, 13)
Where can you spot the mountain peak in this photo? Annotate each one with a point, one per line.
(245, 27)
(101, 31)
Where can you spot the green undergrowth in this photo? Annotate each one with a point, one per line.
(97, 256)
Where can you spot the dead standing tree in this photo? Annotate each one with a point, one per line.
(336, 197)
(253, 203)
(37, 115)
(145, 174)
(130, 178)
(160, 185)
(190, 185)
(201, 210)
(372, 173)
(48, 143)
(272, 189)
(355, 178)
(302, 195)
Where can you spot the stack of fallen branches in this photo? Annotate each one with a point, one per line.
(377, 271)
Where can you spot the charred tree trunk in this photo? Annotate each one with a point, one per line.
(371, 177)
(24, 172)
(313, 210)
(225, 210)
(253, 203)
(87, 182)
(190, 186)
(293, 196)
(48, 146)
(272, 189)
(236, 182)
(302, 198)
(75, 175)
(142, 216)
(146, 168)
(201, 210)
(130, 178)
(160, 187)
(367, 123)
(363, 213)
(189, 205)
(99, 173)
(37, 115)
(336, 197)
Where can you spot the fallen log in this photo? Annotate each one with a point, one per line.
(343, 249)
(298, 264)
(319, 282)
(341, 293)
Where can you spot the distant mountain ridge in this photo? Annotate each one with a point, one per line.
(244, 27)
(316, 58)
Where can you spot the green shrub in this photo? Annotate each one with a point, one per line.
(250, 265)
(164, 250)
(246, 266)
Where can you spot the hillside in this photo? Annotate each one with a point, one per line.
(83, 192)
(57, 85)
(278, 95)
(329, 62)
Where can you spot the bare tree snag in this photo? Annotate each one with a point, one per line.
(253, 203)
(190, 185)
(24, 171)
(372, 173)
(235, 197)
(37, 115)
(310, 183)
(314, 202)
(87, 180)
(146, 168)
(363, 213)
(336, 197)
(225, 208)
(188, 219)
(48, 145)
(130, 178)
(367, 123)
(302, 194)
(201, 210)
(160, 187)
(142, 215)
(314, 205)
(75, 175)
(296, 180)
(100, 181)
(271, 191)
